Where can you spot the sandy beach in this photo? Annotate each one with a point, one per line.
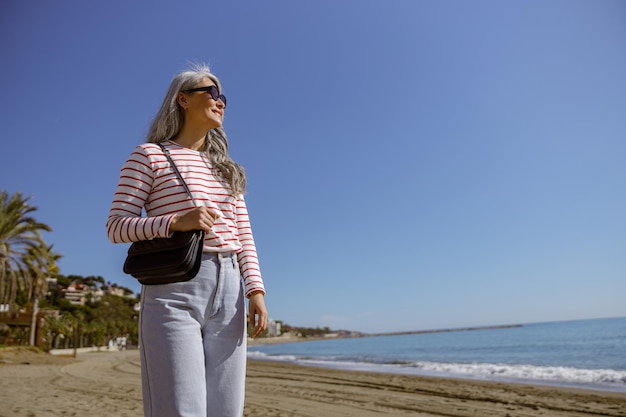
(107, 384)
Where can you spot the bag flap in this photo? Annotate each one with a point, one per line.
(178, 240)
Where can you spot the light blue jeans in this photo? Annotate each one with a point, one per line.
(193, 343)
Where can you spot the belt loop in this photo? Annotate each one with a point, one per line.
(222, 256)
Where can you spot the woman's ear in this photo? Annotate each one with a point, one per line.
(182, 100)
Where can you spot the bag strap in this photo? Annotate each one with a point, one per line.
(180, 178)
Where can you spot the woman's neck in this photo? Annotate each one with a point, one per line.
(192, 138)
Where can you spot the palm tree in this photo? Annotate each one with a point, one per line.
(19, 232)
(57, 328)
(41, 263)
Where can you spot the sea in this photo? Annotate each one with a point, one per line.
(588, 354)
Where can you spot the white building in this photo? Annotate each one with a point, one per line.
(273, 328)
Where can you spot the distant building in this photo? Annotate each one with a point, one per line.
(52, 283)
(76, 294)
(116, 291)
(273, 328)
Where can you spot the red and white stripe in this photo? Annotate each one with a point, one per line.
(148, 182)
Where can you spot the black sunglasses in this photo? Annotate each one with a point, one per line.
(211, 89)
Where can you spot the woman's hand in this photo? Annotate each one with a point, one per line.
(258, 313)
(200, 218)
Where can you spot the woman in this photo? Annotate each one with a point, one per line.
(192, 334)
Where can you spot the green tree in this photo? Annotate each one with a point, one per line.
(41, 262)
(19, 233)
(57, 328)
(118, 315)
(96, 332)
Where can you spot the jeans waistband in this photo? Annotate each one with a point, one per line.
(219, 256)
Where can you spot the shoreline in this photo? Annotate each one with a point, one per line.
(374, 394)
(289, 338)
(387, 369)
(551, 376)
(101, 384)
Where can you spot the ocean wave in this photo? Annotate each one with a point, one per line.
(558, 375)
(527, 372)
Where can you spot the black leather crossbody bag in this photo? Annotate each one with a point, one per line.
(166, 260)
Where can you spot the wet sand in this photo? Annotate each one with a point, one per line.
(108, 384)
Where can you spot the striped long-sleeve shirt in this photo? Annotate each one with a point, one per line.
(147, 181)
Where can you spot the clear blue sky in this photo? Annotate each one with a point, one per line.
(412, 164)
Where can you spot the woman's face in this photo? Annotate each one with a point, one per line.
(200, 108)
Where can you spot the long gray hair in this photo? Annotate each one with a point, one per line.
(169, 121)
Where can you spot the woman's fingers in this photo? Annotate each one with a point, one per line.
(258, 314)
(207, 218)
(199, 218)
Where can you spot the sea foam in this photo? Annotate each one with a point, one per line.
(554, 375)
